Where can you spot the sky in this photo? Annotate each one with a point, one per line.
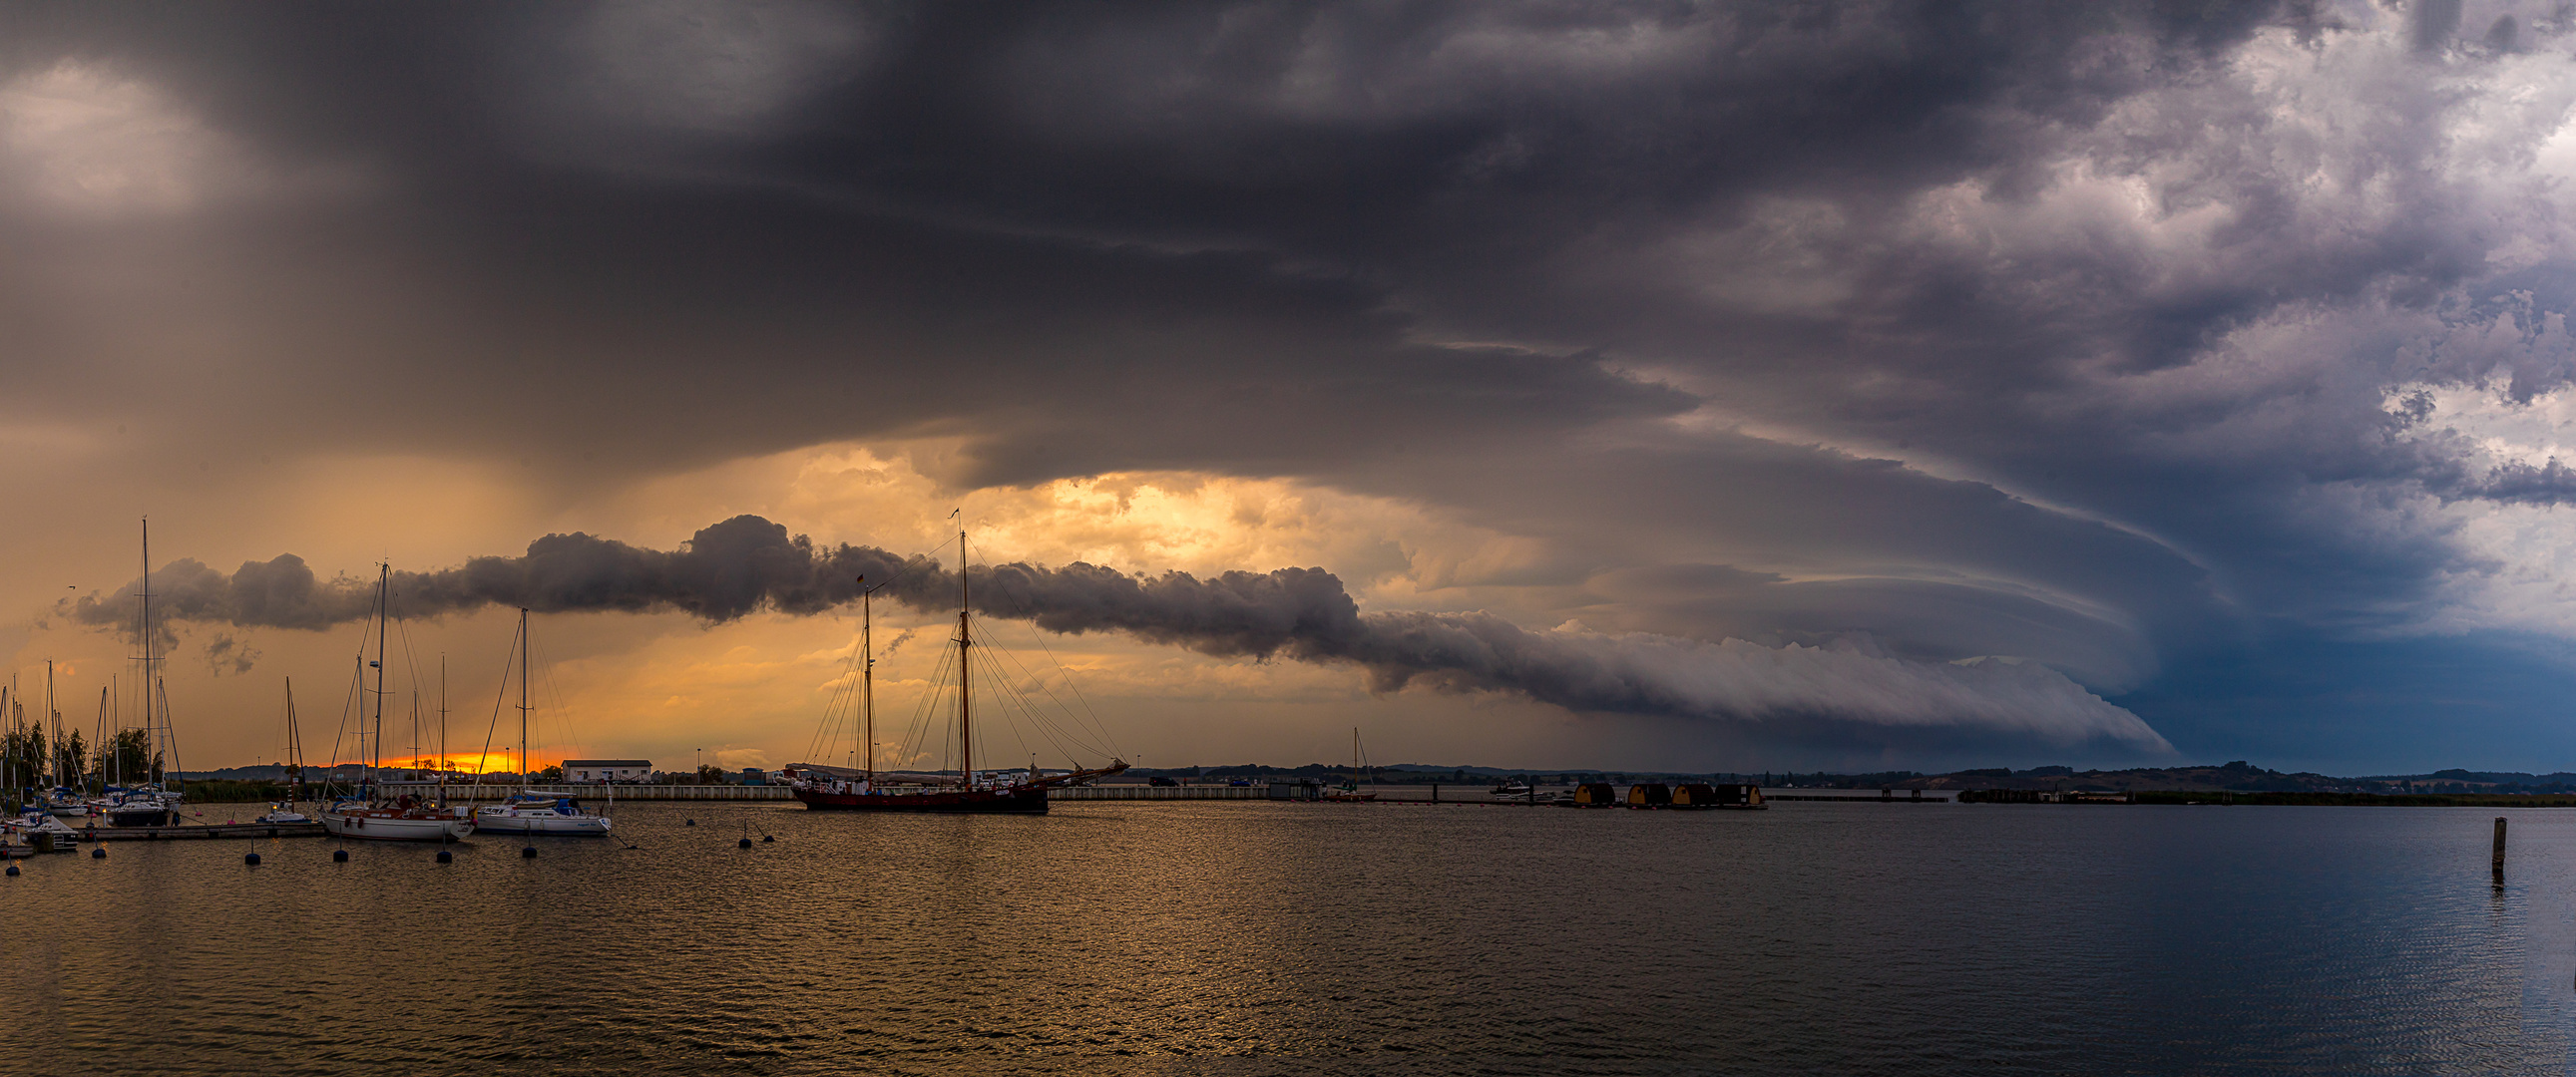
(1755, 386)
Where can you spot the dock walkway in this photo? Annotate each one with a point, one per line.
(201, 831)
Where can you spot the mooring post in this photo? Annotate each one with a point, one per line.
(2499, 845)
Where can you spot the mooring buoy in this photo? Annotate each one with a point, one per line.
(339, 856)
(767, 838)
(251, 859)
(743, 844)
(445, 857)
(692, 822)
(98, 854)
(527, 852)
(13, 871)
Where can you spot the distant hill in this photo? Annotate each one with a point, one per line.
(2241, 776)
(2238, 776)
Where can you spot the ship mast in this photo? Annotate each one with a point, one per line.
(56, 716)
(965, 677)
(443, 763)
(868, 682)
(143, 628)
(384, 612)
(524, 778)
(294, 750)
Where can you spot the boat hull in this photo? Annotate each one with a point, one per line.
(490, 822)
(1017, 801)
(396, 828)
(139, 816)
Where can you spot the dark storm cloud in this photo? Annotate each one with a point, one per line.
(2154, 268)
(748, 564)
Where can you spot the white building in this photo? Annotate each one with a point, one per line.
(607, 770)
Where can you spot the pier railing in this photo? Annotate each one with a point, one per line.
(1160, 792)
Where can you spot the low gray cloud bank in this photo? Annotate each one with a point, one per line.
(747, 564)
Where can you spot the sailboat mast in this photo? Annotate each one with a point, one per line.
(868, 681)
(53, 715)
(442, 730)
(965, 679)
(384, 612)
(523, 697)
(294, 749)
(151, 681)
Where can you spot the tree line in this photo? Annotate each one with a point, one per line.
(30, 760)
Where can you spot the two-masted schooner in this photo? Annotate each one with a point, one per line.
(965, 791)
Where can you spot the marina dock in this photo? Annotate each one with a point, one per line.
(201, 831)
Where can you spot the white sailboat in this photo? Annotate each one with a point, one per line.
(66, 800)
(529, 811)
(407, 817)
(286, 812)
(148, 802)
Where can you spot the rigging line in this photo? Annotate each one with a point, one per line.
(913, 732)
(483, 762)
(1055, 735)
(1001, 691)
(1047, 727)
(1075, 688)
(563, 716)
(348, 704)
(1073, 724)
(931, 706)
(925, 708)
(353, 704)
(1051, 697)
(1031, 627)
(827, 736)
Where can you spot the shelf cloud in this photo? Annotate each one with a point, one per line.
(748, 564)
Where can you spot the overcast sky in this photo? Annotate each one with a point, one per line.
(1739, 387)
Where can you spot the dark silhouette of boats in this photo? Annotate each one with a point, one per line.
(1591, 795)
(1020, 792)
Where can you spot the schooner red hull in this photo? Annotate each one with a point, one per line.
(1022, 800)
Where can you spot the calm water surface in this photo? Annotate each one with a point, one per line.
(1279, 938)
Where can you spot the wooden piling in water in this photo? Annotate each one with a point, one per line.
(2499, 845)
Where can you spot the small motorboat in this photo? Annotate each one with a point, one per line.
(283, 813)
(36, 822)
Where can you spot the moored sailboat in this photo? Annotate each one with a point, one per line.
(285, 811)
(1349, 790)
(529, 811)
(148, 802)
(408, 817)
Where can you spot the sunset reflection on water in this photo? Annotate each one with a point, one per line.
(1258, 937)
